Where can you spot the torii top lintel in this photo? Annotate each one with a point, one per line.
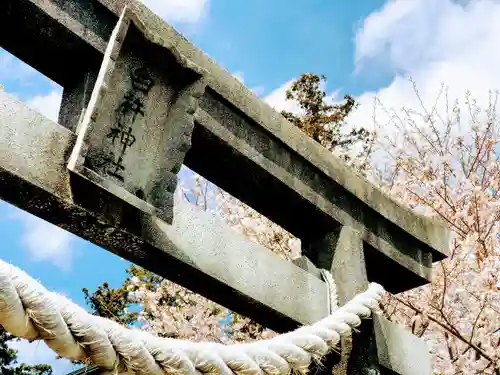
(238, 142)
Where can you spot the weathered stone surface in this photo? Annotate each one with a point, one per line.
(75, 99)
(48, 36)
(197, 251)
(138, 125)
(348, 267)
(380, 346)
(308, 266)
(223, 84)
(271, 167)
(239, 142)
(400, 351)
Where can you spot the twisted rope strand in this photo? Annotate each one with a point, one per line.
(29, 311)
(332, 299)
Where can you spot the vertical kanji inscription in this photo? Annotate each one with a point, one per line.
(129, 110)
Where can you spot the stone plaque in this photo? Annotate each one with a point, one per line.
(138, 125)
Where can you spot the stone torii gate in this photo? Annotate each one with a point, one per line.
(139, 101)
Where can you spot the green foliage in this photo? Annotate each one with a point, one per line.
(111, 303)
(320, 120)
(114, 303)
(8, 359)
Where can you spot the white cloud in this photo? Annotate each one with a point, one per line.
(186, 11)
(434, 42)
(14, 70)
(47, 105)
(277, 98)
(39, 353)
(42, 240)
(258, 90)
(47, 242)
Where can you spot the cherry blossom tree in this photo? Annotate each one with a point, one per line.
(445, 165)
(441, 164)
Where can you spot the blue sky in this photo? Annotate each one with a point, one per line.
(273, 41)
(367, 48)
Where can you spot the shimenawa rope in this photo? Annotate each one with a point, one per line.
(29, 311)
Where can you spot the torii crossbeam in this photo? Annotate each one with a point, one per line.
(182, 108)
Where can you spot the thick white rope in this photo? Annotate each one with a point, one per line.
(29, 311)
(331, 289)
(339, 368)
